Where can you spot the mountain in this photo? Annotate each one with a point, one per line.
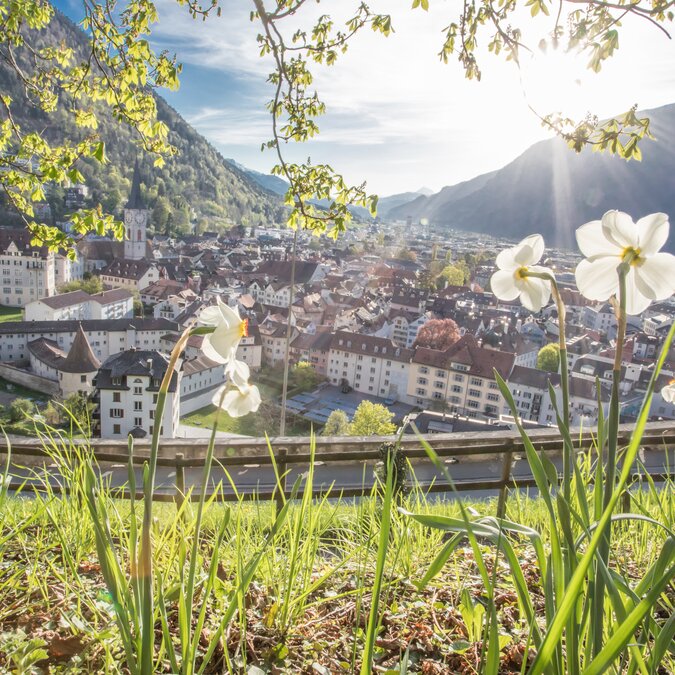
(552, 190)
(266, 180)
(196, 185)
(279, 186)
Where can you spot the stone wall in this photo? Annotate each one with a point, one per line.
(26, 379)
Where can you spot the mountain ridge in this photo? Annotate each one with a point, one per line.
(552, 190)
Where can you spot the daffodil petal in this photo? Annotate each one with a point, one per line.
(636, 301)
(597, 278)
(668, 393)
(230, 315)
(619, 228)
(239, 372)
(534, 293)
(535, 242)
(652, 233)
(655, 277)
(592, 241)
(210, 316)
(506, 259)
(210, 352)
(502, 284)
(239, 402)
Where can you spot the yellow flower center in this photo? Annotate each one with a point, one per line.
(521, 273)
(243, 328)
(632, 256)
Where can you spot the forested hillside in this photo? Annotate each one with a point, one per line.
(196, 187)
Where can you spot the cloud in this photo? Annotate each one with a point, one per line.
(394, 95)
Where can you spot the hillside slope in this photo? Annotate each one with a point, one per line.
(551, 190)
(196, 185)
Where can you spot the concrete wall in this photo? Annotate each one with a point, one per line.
(17, 376)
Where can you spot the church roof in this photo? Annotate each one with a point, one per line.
(135, 198)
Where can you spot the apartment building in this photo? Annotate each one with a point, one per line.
(106, 337)
(369, 364)
(27, 272)
(462, 376)
(127, 386)
(79, 306)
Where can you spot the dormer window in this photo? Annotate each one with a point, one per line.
(116, 381)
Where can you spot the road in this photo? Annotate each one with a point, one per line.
(250, 478)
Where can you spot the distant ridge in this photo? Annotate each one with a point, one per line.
(552, 190)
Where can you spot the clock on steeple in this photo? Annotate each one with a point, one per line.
(135, 221)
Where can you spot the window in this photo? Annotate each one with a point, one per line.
(116, 381)
(476, 381)
(421, 380)
(456, 389)
(458, 378)
(473, 404)
(424, 370)
(440, 373)
(116, 412)
(421, 392)
(83, 378)
(474, 392)
(437, 395)
(138, 421)
(116, 429)
(493, 397)
(438, 384)
(138, 391)
(138, 405)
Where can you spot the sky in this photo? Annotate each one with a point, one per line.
(397, 117)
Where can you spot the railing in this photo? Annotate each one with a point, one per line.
(496, 446)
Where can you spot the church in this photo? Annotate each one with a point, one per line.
(128, 264)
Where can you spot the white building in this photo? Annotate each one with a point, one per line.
(462, 376)
(369, 364)
(74, 371)
(106, 337)
(27, 272)
(78, 306)
(127, 386)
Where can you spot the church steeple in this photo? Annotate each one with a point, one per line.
(135, 220)
(135, 199)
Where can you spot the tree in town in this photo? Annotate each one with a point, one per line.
(548, 358)
(372, 419)
(437, 334)
(456, 274)
(337, 424)
(20, 409)
(90, 283)
(303, 376)
(407, 255)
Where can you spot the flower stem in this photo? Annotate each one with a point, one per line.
(144, 565)
(610, 468)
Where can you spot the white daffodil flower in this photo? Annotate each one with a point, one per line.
(221, 345)
(239, 401)
(616, 238)
(668, 392)
(512, 279)
(238, 372)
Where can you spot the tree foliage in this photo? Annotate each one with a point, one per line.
(113, 72)
(437, 334)
(372, 419)
(337, 424)
(548, 358)
(91, 284)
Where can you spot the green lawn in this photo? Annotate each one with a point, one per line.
(11, 314)
(249, 425)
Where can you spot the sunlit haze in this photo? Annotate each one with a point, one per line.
(397, 117)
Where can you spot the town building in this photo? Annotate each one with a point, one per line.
(79, 305)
